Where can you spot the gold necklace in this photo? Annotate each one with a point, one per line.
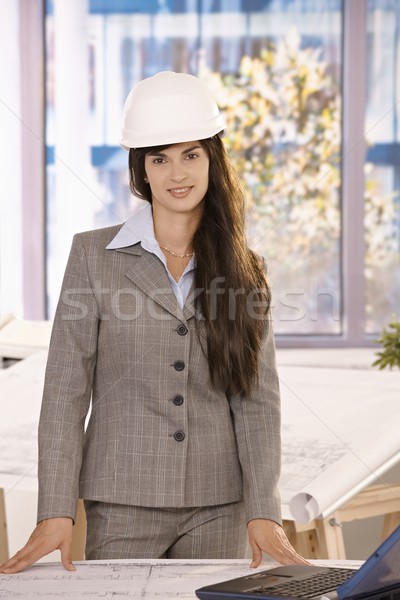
(175, 254)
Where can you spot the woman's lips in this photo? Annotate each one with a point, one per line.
(180, 192)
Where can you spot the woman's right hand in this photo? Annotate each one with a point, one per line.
(48, 535)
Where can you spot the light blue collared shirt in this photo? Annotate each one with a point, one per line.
(139, 228)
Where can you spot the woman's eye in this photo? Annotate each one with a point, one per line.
(192, 155)
(158, 161)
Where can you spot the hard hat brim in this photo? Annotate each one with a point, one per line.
(146, 139)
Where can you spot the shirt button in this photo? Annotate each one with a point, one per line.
(179, 365)
(182, 329)
(177, 400)
(179, 436)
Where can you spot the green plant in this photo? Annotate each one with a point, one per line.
(390, 340)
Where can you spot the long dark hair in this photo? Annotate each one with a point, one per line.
(233, 296)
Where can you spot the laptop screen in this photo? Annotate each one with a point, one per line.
(381, 570)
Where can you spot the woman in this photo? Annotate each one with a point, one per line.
(164, 323)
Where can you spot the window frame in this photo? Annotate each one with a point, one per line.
(33, 159)
(353, 153)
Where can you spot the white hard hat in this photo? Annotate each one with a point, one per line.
(169, 108)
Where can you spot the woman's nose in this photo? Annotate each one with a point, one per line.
(177, 173)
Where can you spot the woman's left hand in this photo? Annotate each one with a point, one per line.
(267, 536)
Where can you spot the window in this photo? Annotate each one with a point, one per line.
(276, 70)
(382, 168)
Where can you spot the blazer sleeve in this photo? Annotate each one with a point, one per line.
(67, 389)
(257, 423)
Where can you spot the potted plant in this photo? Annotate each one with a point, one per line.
(389, 356)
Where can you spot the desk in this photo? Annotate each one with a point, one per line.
(150, 579)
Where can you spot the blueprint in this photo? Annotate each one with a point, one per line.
(339, 434)
(149, 579)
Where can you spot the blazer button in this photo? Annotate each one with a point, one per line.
(179, 436)
(177, 400)
(182, 329)
(179, 365)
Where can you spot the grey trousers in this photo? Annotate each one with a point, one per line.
(117, 531)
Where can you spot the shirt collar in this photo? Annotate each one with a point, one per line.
(138, 228)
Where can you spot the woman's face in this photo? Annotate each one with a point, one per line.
(178, 176)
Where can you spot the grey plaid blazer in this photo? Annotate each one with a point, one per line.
(158, 435)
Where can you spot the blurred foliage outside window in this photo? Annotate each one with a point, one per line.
(284, 136)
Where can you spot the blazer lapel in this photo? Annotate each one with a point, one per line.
(189, 310)
(148, 274)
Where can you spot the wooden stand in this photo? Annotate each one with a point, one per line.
(3, 530)
(323, 538)
(79, 533)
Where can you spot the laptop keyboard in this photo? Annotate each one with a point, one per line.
(312, 586)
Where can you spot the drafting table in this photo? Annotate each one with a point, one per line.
(150, 579)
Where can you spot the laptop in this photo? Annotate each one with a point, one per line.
(377, 579)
